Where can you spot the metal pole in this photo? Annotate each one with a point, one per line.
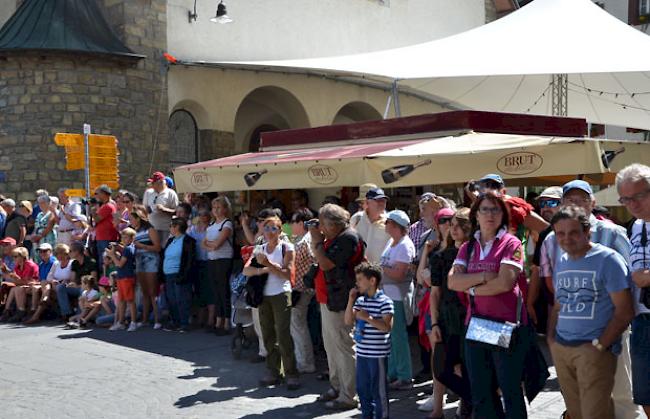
(560, 95)
(390, 97)
(398, 111)
(87, 157)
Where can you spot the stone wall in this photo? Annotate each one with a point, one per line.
(215, 144)
(42, 95)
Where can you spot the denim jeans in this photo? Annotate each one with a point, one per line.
(372, 387)
(179, 297)
(640, 351)
(63, 295)
(101, 247)
(489, 369)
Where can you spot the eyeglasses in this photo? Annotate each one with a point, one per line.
(444, 220)
(489, 210)
(549, 203)
(625, 200)
(269, 229)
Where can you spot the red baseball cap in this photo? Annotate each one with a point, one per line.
(8, 241)
(157, 176)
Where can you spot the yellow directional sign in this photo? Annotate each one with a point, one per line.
(67, 140)
(102, 153)
(80, 193)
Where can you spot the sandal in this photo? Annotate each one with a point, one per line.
(329, 395)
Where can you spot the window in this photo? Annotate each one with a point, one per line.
(183, 138)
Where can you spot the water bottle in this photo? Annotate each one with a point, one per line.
(358, 330)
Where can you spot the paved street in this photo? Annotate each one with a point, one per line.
(48, 372)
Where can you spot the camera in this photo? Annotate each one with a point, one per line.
(312, 223)
(91, 201)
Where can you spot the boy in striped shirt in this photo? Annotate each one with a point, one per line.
(371, 311)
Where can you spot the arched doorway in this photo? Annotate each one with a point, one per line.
(356, 112)
(254, 141)
(267, 108)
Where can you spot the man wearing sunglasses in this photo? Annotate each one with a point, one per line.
(522, 215)
(540, 297)
(633, 185)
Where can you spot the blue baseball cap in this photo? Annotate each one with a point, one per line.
(376, 193)
(169, 181)
(399, 217)
(577, 184)
(493, 177)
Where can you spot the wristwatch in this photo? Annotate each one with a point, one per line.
(596, 343)
(471, 291)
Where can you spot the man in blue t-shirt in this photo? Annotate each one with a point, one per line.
(593, 306)
(371, 311)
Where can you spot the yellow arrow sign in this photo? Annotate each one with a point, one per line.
(75, 193)
(74, 140)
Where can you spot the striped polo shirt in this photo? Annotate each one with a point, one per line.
(375, 343)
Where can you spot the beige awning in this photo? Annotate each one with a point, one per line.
(527, 159)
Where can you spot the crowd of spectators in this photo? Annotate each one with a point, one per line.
(478, 283)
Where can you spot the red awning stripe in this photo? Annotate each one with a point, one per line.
(310, 154)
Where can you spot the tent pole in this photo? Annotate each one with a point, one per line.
(398, 111)
(390, 98)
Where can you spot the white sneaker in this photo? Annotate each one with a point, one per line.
(132, 327)
(427, 406)
(157, 326)
(139, 324)
(117, 326)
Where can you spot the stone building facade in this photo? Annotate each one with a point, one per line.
(42, 93)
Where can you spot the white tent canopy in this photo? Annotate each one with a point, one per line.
(507, 65)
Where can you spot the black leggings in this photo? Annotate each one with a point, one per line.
(219, 271)
(446, 356)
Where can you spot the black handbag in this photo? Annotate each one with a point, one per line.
(255, 287)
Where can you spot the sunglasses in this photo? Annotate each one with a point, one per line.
(550, 203)
(444, 220)
(43, 250)
(269, 229)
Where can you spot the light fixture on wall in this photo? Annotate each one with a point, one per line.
(222, 16)
(192, 15)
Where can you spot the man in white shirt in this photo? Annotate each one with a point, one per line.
(371, 224)
(70, 210)
(161, 205)
(633, 185)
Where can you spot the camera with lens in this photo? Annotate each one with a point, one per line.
(312, 223)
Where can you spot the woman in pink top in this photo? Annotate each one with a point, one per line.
(25, 273)
(490, 273)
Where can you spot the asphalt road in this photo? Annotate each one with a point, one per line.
(49, 372)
